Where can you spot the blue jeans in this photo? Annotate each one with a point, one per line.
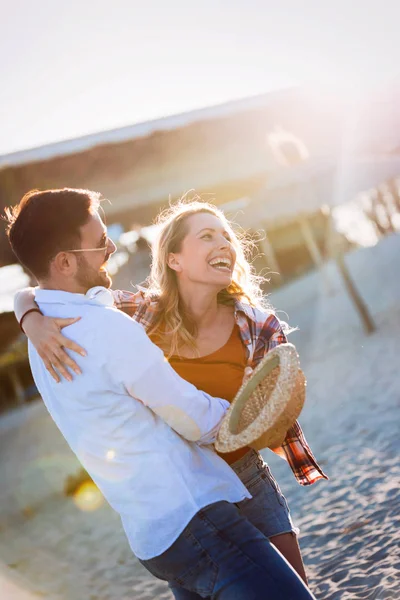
(222, 556)
(267, 509)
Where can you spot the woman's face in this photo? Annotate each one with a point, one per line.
(207, 255)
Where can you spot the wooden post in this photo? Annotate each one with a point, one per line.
(358, 302)
(335, 249)
(371, 214)
(382, 202)
(312, 246)
(330, 233)
(394, 190)
(270, 256)
(309, 239)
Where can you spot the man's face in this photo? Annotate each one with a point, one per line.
(91, 266)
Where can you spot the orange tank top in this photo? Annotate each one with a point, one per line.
(219, 374)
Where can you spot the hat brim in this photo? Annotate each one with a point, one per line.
(267, 405)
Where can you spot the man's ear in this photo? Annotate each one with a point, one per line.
(64, 263)
(173, 262)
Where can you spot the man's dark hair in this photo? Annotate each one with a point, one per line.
(47, 222)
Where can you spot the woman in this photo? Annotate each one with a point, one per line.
(204, 308)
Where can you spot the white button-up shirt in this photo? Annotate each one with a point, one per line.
(141, 431)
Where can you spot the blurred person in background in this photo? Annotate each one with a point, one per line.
(204, 308)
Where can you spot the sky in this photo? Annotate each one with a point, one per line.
(77, 67)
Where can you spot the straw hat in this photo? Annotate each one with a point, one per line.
(267, 405)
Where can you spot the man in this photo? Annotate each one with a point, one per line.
(142, 432)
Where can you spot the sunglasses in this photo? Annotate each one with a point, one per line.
(88, 249)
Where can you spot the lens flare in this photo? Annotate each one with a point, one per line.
(88, 497)
(110, 454)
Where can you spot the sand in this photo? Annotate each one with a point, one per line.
(349, 525)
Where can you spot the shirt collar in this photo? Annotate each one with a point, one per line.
(246, 309)
(97, 295)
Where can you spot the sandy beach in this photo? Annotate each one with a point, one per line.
(349, 525)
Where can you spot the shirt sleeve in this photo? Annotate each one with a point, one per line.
(147, 376)
(277, 334)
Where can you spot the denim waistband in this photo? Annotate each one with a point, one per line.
(252, 458)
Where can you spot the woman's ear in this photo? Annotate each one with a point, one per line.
(173, 262)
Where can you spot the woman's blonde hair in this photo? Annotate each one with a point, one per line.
(175, 327)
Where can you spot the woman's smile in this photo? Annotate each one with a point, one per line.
(221, 263)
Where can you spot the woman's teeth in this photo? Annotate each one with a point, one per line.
(222, 264)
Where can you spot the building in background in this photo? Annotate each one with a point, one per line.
(279, 164)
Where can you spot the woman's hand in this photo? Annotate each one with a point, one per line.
(248, 372)
(45, 334)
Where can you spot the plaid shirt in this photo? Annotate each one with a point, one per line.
(260, 332)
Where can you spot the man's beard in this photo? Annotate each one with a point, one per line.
(88, 277)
